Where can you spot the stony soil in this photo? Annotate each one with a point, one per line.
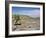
(27, 24)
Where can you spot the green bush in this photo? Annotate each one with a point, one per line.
(17, 18)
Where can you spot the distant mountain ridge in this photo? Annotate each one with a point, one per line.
(27, 16)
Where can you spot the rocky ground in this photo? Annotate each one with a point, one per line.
(27, 24)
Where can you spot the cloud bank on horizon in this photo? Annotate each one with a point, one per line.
(34, 12)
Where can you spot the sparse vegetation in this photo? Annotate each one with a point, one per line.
(17, 18)
(27, 22)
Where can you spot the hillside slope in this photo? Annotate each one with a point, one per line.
(27, 23)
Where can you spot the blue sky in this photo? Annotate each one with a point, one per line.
(35, 12)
